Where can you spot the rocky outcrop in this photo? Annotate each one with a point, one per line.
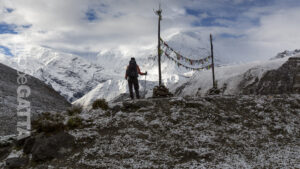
(284, 80)
(296, 86)
(41, 98)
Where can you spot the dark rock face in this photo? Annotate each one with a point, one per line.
(42, 98)
(284, 80)
(16, 163)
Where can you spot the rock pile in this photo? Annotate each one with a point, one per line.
(161, 92)
(214, 91)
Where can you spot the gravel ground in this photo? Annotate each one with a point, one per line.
(209, 132)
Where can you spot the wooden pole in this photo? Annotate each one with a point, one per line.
(158, 12)
(212, 61)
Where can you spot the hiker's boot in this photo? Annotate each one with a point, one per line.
(137, 93)
(131, 96)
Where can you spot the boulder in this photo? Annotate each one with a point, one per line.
(49, 147)
(16, 162)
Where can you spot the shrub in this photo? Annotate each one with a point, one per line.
(74, 122)
(75, 109)
(100, 103)
(48, 123)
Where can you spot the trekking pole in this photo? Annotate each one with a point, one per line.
(145, 85)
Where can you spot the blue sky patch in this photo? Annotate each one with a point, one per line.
(26, 26)
(6, 50)
(212, 21)
(232, 36)
(91, 15)
(9, 10)
(193, 12)
(8, 28)
(232, 12)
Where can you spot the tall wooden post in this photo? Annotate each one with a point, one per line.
(158, 12)
(212, 61)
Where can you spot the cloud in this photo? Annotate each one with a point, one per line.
(277, 31)
(243, 29)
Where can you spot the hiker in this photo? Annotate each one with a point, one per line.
(132, 73)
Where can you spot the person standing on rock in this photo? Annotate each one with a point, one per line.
(132, 73)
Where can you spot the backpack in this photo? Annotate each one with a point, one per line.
(132, 69)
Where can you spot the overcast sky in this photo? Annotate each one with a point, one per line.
(254, 29)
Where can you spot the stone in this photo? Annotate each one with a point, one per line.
(16, 162)
(48, 147)
(28, 145)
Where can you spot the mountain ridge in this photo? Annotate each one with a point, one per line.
(42, 98)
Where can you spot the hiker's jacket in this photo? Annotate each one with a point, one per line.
(138, 71)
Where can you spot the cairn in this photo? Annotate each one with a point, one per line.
(161, 92)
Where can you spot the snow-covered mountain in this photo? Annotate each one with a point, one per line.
(114, 63)
(231, 80)
(70, 75)
(249, 78)
(84, 79)
(74, 76)
(286, 54)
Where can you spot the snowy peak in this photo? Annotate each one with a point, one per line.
(70, 75)
(190, 44)
(286, 54)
